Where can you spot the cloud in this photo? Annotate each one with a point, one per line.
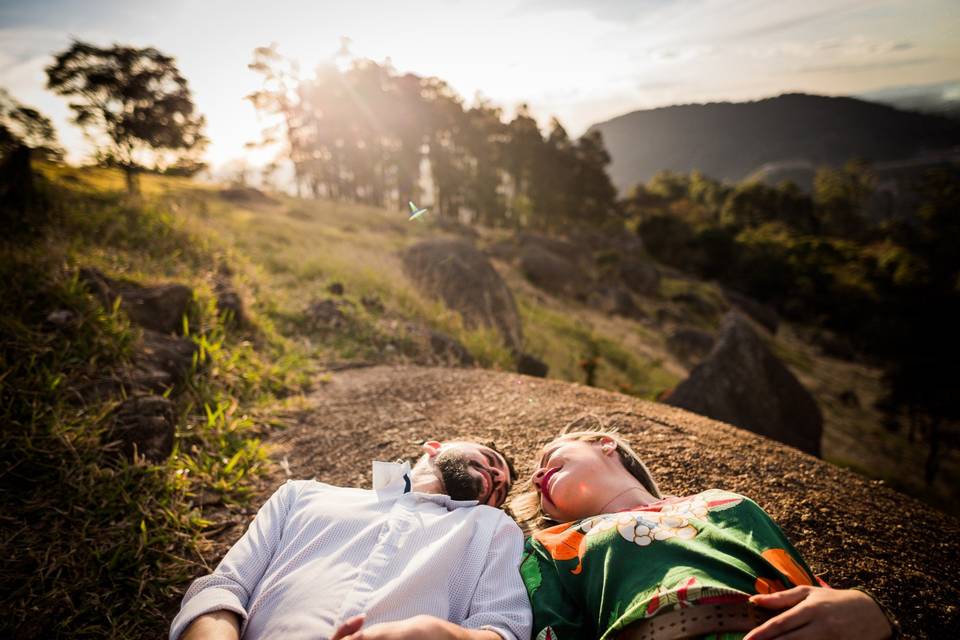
(657, 85)
(618, 11)
(680, 54)
(844, 67)
(775, 18)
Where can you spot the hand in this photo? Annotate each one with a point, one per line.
(416, 628)
(816, 612)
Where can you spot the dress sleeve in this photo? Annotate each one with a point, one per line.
(231, 583)
(500, 603)
(556, 615)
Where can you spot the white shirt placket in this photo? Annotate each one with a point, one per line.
(394, 534)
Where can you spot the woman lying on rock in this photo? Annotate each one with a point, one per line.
(627, 563)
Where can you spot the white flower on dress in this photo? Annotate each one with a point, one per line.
(695, 507)
(635, 530)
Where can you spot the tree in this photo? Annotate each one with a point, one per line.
(135, 98)
(594, 195)
(23, 125)
(841, 196)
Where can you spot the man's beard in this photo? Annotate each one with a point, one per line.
(457, 481)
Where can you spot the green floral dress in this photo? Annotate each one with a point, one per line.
(590, 579)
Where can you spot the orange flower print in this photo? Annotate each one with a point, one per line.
(563, 542)
(785, 564)
(766, 585)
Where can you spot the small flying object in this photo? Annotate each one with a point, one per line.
(415, 213)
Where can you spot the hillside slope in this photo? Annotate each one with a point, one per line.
(326, 303)
(729, 141)
(287, 253)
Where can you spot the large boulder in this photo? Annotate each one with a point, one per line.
(690, 344)
(532, 366)
(759, 312)
(554, 273)
(640, 275)
(615, 300)
(456, 272)
(741, 382)
(160, 308)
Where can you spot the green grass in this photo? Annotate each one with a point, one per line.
(99, 545)
(564, 340)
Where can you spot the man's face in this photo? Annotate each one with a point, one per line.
(471, 471)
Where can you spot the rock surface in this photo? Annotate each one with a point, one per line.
(741, 382)
(853, 531)
(145, 424)
(161, 361)
(160, 308)
(552, 272)
(532, 366)
(615, 300)
(759, 312)
(457, 273)
(689, 344)
(640, 275)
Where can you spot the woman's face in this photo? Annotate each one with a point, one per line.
(567, 478)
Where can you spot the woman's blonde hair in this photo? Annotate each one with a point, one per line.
(590, 428)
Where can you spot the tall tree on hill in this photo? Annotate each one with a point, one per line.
(595, 194)
(552, 178)
(23, 125)
(135, 98)
(448, 159)
(483, 138)
(523, 148)
(408, 119)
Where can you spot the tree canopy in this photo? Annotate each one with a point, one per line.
(135, 99)
(23, 125)
(363, 132)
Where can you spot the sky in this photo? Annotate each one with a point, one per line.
(580, 60)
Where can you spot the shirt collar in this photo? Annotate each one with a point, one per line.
(392, 479)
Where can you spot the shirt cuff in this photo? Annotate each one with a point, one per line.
(895, 632)
(503, 633)
(207, 601)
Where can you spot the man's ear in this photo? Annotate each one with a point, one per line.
(431, 448)
(608, 445)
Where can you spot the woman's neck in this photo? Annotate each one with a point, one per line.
(631, 496)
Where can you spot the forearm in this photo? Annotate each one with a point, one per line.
(216, 625)
(438, 628)
(474, 634)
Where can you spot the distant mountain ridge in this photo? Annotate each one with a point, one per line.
(941, 98)
(732, 140)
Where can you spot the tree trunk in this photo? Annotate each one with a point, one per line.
(933, 454)
(133, 180)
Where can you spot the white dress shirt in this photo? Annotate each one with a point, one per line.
(316, 555)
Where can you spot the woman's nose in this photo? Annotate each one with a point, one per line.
(537, 476)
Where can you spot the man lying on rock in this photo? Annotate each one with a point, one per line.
(425, 554)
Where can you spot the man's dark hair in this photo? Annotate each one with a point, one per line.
(513, 470)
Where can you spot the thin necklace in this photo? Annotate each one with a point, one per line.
(604, 508)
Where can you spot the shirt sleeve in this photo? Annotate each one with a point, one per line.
(555, 613)
(500, 602)
(231, 583)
